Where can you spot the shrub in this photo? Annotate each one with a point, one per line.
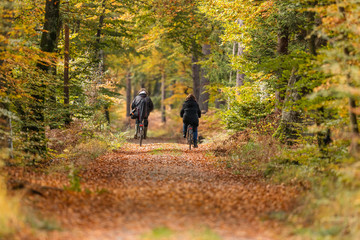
(247, 105)
(330, 208)
(247, 152)
(9, 212)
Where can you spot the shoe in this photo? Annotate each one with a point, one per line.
(195, 145)
(184, 135)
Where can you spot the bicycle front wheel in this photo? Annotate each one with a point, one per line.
(141, 136)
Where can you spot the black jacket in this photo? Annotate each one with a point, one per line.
(190, 112)
(144, 104)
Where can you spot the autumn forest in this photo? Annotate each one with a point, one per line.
(277, 150)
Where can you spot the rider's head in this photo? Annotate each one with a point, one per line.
(143, 91)
(190, 96)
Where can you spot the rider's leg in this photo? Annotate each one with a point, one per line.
(195, 136)
(146, 123)
(184, 130)
(136, 128)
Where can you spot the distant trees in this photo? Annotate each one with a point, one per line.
(284, 52)
(285, 48)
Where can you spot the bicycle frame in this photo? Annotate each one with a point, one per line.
(140, 131)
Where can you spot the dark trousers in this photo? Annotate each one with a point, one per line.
(195, 131)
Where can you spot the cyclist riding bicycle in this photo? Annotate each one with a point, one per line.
(141, 107)
(191, 113)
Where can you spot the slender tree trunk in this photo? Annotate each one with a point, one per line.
(282, 49)
(196, 75)
(219, 102)
(66, 74)
(288, 129)
(355, 148)
(233, 53)
(240, 76)
(353, 117)
(204, 95)
(163, 96)
(101, 57)
(128, 93)
(283, 42)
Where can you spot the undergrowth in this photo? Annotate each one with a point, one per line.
(330, 208)
(246, 153)
(328, 181)
(10, 216)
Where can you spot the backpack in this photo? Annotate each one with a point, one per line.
(134, 114)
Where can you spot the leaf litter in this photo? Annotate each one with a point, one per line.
(130, 191)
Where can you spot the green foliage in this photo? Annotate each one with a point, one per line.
(159, 233)
(74, 179)
(10, 217)
(247, 105)
(329, 208)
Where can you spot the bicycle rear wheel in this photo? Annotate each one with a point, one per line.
(190, 136)
(141, 135)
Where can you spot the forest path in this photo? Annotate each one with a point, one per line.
(160, 189)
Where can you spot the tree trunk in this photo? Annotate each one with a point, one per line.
(282, 49)
(128, 93)
(163, 95)
(66, 74)
(196, 75)
(33, 124)
(354, 148)
(288, 130)
(240, 76)
(204, 95)
(50, 35)
(283, 41)
(101, 58)
(233, 53)
(353, 117)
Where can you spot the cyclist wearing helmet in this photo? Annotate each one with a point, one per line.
(141, 107)
(191, 113)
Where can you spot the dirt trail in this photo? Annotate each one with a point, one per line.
(136, 189)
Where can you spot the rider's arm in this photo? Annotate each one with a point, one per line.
(133, 104)
(182, 112)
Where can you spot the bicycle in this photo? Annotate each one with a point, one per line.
(190, 135)
(140, 132)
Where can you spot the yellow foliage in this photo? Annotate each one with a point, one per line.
(9, 211)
